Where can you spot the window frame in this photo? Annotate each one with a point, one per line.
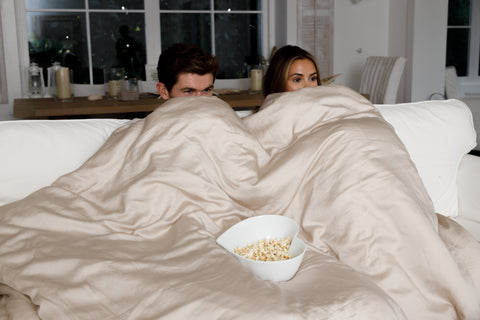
(469, 84)
(474, 43)
(152, 38)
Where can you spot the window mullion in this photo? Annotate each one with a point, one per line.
(153, 35)
(267, 27)
(212, 29)
(89, 42)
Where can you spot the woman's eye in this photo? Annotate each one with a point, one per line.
(314, 78)
(297, 79)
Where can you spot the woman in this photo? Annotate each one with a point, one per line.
(291, 68)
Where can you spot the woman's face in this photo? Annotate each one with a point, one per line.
(302, 73)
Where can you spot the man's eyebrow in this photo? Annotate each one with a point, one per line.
(193, 89)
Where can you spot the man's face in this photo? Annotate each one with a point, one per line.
(188, 84)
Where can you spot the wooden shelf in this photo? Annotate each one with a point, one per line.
(82, 107)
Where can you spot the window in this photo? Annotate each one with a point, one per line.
(463, 37)
(90, 35)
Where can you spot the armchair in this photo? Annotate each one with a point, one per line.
(381, 78)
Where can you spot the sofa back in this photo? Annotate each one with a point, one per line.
(437, 134)
(36, 152)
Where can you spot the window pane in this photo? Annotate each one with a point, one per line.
(118, 40)
(194, 28)
(459, 12)
(55, 4)
(184, 4)
(115, 4)
(238, 43)
(457, 50)
(59, 37)
(238, 4)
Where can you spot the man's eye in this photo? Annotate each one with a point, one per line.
(208, 90)
(188, 91)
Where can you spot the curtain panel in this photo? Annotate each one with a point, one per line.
(315, 31)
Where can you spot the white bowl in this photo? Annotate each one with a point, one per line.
(257, 228)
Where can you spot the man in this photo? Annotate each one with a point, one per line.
(186, 70)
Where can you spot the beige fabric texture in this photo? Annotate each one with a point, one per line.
(131, 234)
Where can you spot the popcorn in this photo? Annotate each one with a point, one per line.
(266, 250)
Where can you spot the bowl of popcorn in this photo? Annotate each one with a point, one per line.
(267, 245)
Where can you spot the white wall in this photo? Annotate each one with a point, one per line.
(360, 30)
(427, 53)
(412, 29)
(397, 35)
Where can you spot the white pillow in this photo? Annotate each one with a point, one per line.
(34, 153)
(437, 134)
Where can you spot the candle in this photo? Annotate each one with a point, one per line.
(63, 84)
(256, 79)
(114, 88)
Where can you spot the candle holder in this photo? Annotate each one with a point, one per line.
(60, 83)
(130, 91)
(113, 82)
(256, 78)
(52, 78)
(35, 84)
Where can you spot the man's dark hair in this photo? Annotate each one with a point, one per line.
(184, 58)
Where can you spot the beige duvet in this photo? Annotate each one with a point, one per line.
(131, 234)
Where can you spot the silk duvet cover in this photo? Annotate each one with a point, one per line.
(131, 234)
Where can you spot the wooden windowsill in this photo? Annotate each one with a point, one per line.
(82, 107)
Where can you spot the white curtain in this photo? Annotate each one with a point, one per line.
(315, 31)
(3, 75)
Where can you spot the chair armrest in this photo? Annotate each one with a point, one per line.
(468, 184)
